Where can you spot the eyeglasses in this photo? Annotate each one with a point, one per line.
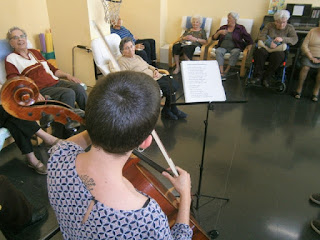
(23, 36)
(128, 47)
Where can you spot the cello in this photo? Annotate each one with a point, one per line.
(18, 98)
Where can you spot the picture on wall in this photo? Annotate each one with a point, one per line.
(276, 5)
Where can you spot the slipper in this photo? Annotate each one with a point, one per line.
(39, 167)
(314, 98)
(297, 95)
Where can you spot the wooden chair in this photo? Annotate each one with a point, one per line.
(186, 24)
(211, 54)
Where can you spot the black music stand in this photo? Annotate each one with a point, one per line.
(230, 94)
(210, 106)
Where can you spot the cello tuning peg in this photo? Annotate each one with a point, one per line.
(46, 120)
(72, 125)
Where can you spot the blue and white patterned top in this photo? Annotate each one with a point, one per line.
(122, 32)
(70, 200)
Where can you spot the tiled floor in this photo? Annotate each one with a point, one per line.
(263, 154)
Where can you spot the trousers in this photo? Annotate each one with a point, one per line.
(188, 50)
(68, 93)
(260, 57)
(21, 130)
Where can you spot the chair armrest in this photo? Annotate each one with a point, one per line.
(243, 62)
(245, 53)
(163, 71)
(204, 51)
(210, 46)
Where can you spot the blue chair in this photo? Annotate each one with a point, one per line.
(5, 49)
(186, 24)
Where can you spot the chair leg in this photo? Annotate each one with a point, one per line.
(242, 71)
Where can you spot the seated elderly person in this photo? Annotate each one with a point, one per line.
(233, 38)
(130, 61)
(190, 39)
(30, 63)
(145, 48)
(275, 34)
(22, 132)
(310, 59)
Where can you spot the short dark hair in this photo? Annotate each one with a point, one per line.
(122, 111)
(124, 41)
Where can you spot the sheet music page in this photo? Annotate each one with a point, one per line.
(298, 10)
(202, 81)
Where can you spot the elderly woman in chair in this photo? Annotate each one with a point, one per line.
(233, 38)
(310, 59)
(30, 63)
(190, 39)
(273, 40)
(130, 61)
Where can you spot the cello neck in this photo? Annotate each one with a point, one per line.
(151, 163)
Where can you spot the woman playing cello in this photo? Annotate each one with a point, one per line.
(90, 196)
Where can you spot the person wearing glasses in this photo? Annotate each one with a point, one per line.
(30, 63)
(273, 34)
(130, 61)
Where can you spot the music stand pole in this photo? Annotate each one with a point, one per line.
(198, 194)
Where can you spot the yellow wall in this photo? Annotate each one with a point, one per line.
(69, 22)
(142, 18)
(140, 24)
(30, 15)
(163, 21)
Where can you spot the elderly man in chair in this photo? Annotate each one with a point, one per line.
(30, 63)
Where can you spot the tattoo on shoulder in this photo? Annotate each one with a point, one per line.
(88, 182)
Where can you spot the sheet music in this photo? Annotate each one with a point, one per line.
(298, 10)
(202, 81)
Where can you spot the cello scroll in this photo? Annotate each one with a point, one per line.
(19, 96)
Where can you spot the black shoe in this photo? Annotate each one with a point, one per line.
(315, 224)
(166, 113)
(179, 114)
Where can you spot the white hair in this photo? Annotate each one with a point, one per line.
(234, 15)
(282, 14)
(196, 17)
(13, 29)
